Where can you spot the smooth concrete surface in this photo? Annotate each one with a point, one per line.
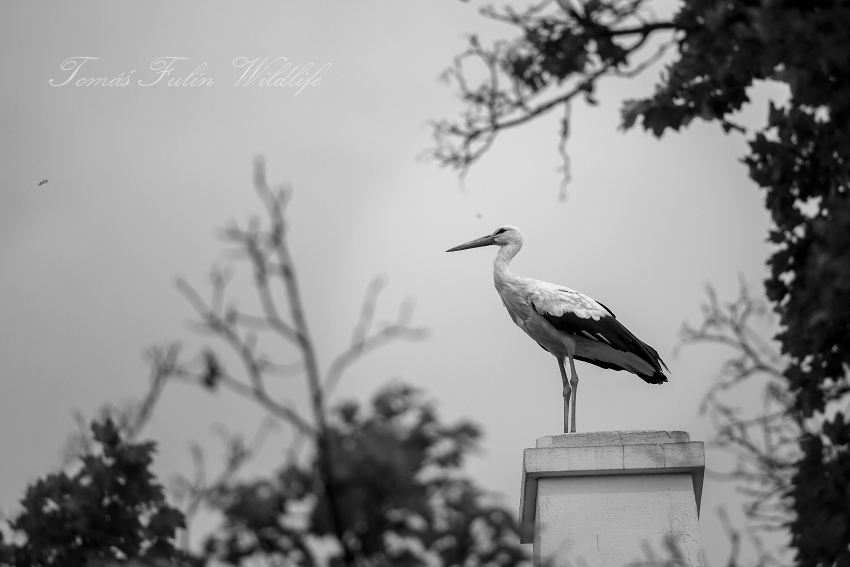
(616, 521)
(612, 499)
(602, 438)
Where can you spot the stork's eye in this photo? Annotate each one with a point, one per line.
(500, 231)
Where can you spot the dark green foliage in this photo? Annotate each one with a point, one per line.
(402, 499)
(805, 174)
(801, 158)
(821, 493)
(112, 508)
(396, 468)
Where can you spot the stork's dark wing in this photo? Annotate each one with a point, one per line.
(577, 314)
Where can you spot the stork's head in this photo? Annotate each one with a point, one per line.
(502, 236)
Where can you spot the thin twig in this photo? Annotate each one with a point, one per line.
(238, 454)
(363, 343)
(765, 445)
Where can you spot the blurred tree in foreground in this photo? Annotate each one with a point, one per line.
(110, 509)
(370, 487)
(396, 465)
(401, 498)
(800, 157)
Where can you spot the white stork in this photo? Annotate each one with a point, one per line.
(566, 323)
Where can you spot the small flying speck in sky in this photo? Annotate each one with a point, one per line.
(42, 182)
(479, 215)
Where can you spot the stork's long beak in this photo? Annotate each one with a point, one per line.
(483, 241)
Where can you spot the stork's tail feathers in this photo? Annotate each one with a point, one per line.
(658, 377)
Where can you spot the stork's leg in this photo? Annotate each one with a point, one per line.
(573, 389)
(567, 392)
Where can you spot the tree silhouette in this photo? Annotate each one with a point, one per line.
(402, 499)
(111, 509)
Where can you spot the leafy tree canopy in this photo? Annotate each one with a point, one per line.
(402, 498)
(396, 465)
(111, 509)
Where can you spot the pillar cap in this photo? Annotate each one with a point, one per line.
(605, 438)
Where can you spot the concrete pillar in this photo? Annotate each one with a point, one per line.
(613, 499)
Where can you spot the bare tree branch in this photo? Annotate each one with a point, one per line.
(132, 417)
(517, 86)
(225, 328)
(266, 249)
(275, 204)
(163, 362)
(764, 442)
(198, 491)
(249, 241)
(363, 342)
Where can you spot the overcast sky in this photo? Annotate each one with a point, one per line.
(140, 178)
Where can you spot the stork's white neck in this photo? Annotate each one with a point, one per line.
(501, 271)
